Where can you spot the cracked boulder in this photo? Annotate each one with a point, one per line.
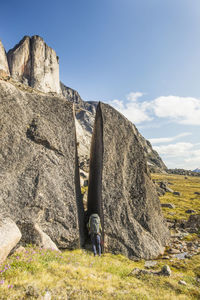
(121, 190)
(39, 178)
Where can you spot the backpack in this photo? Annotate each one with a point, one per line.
(94, 224)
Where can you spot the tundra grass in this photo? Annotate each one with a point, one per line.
(79, 275)
(187, 186)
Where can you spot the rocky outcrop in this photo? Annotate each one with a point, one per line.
(120, 189)
(33, 234)
(70, 94)
(39, 177)
(183, 172)
(9, 237)
(34, 63)
(4, 70)
(154, 161)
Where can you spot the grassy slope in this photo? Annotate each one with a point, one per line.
(187, 199)
(79, 275)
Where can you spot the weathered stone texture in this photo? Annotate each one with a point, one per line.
(38, 164)
(70, 94)
(33, 234)
(4, 70)
(34, 63)
(120, 188)
(9, 237)
(19, 60)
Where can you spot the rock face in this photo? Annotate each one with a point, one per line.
(33, 234)
(34, 63)
(70, 94)
(9, 237)
(39, 177)
(4, 70)
(120, 189)
(154, 162)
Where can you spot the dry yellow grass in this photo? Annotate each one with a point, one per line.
(187, 199)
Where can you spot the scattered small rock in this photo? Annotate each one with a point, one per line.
(169, 205)
(188, 256)
(197, 193)
(182, 282)
(166, 271)
(177, 193)
(190, 211)
(149, 264)
(32, 291)
(174, 251)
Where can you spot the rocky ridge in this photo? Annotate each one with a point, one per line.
(34, 63)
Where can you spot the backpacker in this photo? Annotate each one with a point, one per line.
(94, 223)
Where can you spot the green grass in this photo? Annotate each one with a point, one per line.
(79, 275)
(187, 199)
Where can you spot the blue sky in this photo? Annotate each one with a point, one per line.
(141, 56)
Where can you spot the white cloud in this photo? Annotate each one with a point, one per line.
(132, 110)
(163, 111)
(168, 139)
(180, 155)
(183, 110)
(175, 150)
(134, 96)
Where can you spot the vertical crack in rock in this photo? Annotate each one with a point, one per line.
(79, 200)
(95, 177)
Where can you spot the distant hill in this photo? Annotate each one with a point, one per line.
(184, 172)
(197, 170)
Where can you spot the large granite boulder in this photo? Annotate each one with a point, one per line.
(4, 70)
(34, 63)
(9, 236)
(121, 190)
(39, 176)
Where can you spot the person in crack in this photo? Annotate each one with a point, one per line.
(95, 229)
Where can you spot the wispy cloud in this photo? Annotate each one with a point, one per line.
(134, 96)
(174, 149)
(168, 139)
(133, 110)
(181, 110)
(183, 155)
